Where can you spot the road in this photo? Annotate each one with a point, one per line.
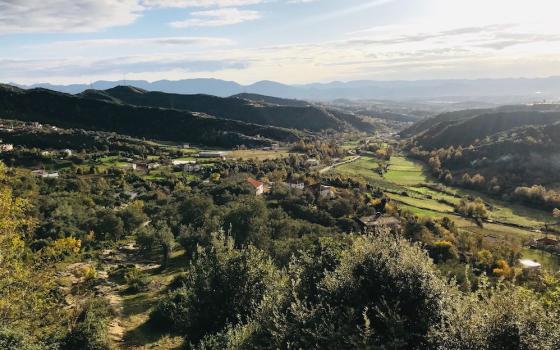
(324, 170)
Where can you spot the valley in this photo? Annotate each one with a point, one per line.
(157, 229)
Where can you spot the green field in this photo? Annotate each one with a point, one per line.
(405, 172)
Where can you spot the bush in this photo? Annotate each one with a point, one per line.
(90, 330)
(222, 286)
(11, 339)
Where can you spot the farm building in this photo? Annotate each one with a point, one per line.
(257, 185)
(374, 222)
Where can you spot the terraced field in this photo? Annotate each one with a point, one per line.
(407, 183)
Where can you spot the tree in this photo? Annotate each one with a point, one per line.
(222, 286)
(28, 302)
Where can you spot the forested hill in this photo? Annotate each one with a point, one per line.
(71, 111)
(272, 100)
(466, 132)
(307, 117)
(507, 153)
(450, 118)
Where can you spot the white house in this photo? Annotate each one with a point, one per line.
(6, 147)
(45, 174)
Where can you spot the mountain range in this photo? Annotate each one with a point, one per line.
(446, 91)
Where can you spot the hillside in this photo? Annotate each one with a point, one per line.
(449, 118)
(272, 100)
(466, 131)
(294, 117)
(103, 114)
(499, 152)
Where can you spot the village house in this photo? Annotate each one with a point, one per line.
(378, 221)
(130, 166)
(312, 161)
(295, 185)
(45, 174)
(327, 192)
(7, 147)
(186, 146)
(67, 152)
(530, 267)
(192, 167)
(212, 154)
(257, 185)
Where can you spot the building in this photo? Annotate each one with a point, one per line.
(7, 147)
(312, 161)
(130, 166)
(257, 185)
(192, 167)
(212, 154)
(327, 192)
(45, 174)
(378, 221)
(67, 152)
(296, 185)
(530, 267)
(186, 146)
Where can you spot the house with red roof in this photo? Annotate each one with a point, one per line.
(257, 185)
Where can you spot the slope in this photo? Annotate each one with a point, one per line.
(302, 118)
(155, 123)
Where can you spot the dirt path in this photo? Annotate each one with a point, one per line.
(324, 170)
(111, 259)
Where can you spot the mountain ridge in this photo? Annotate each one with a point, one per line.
(530, 89)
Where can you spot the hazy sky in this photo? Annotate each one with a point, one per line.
(291, 41)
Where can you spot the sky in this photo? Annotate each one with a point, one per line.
(289, 41)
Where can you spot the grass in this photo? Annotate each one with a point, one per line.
(139, 333)
(405, 172)
(258, 154)
(423, 203)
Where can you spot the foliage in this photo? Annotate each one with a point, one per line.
(221, 287)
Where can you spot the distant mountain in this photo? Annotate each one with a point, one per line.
(103, 113)
(306, 117)
(449, 91)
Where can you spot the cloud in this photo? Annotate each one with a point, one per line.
(180, 41)
(217, 18)
(24, 16)
(40, 69)
(198, 3)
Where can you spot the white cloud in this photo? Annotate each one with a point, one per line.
(180, 41)
(198, 3)
(25, 16)
(217, 18)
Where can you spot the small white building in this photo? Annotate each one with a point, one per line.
(296, 185)
(45, 174)
(186, 146)
(7, 147)
(67, 152)
(312, 161)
